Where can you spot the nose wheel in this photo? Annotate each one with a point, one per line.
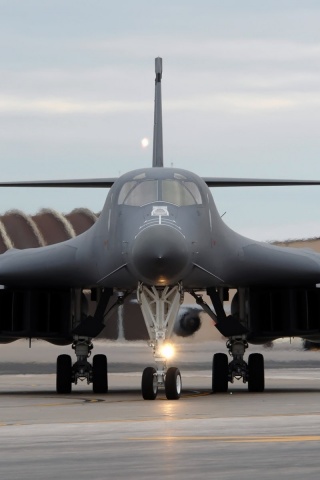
(149, 383)
(171, 381)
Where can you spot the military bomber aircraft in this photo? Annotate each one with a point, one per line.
(159, 236)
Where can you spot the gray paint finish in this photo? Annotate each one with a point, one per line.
(191, 244)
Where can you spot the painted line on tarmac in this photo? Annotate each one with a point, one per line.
(237, 439)
(69, 402)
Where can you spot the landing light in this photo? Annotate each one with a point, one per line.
(167, 350)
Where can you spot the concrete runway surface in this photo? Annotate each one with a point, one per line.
(238, 435)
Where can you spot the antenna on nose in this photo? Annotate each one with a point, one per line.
(157, 160)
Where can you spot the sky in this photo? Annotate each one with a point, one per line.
(241, 98)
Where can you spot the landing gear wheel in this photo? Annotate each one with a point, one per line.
(256, 372)
(149, 383)
(173, 383)
(220, 373)
(100, 374)
(64, 374)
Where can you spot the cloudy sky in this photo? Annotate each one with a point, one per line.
(241, 93)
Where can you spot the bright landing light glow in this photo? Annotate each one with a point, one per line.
(144, 142)
(167, 350)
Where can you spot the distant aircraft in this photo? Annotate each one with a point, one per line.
(160, 235)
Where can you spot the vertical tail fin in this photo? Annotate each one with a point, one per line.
(157, 160)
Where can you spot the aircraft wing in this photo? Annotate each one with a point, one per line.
(53, 265)
(210, 181)
(255, 182)
(72, 183)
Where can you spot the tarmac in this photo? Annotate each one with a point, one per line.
(237, 435)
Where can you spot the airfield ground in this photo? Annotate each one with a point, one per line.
(119, 435)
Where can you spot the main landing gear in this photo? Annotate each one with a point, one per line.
(160, 307)
(95, 373)
(224, 372)
(230, 327)
(86, 329)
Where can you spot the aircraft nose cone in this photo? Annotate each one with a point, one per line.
(160, 255)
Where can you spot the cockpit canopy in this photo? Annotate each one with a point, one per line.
(178, 190)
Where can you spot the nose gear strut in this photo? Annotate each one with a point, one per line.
(160, 307)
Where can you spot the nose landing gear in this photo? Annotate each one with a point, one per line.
(169, 378)
(160, 307)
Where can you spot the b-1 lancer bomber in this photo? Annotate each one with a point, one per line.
(159, 236)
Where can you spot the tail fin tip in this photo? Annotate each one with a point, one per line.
(157, 160)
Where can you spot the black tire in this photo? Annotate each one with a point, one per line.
(256, 372)
(149, 383)
(220, 373)
(173, 383)
(64, 374)
(100, 374)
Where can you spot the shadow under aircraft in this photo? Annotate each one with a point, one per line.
(159, 236)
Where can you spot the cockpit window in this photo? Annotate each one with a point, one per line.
(142, 192)
(138, 193)
(180, 193)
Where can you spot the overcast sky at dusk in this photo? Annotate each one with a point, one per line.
(241, 97)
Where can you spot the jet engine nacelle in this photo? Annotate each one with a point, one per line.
(188, 322)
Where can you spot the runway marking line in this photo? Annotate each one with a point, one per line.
(236, 439)
(190, 395)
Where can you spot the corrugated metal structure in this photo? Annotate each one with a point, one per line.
(19, 230)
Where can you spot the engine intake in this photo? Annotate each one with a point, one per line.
(188, 322)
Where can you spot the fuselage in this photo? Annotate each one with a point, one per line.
(159, 226)
(158, 223)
